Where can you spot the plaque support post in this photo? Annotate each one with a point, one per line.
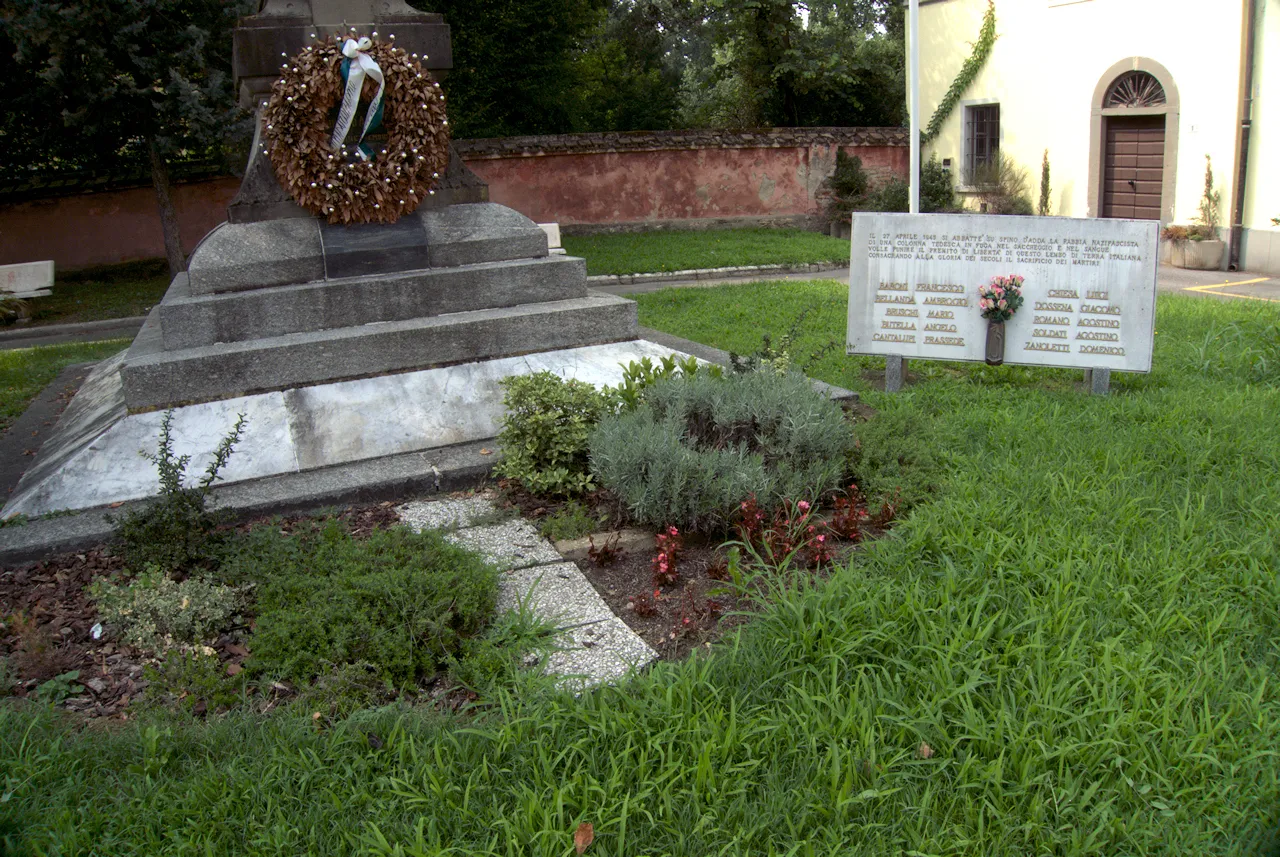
(1098, 381)
(895, 374)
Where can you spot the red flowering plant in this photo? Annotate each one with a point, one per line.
(664, 562)
(1000, 298)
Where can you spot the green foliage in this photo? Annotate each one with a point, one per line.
(1210, 211)
(398, 600)
(175, 530)
(852, 191)
(544, 433)
(1004, 186)
(515, 63)
(59, 688)
(1045, 207)
(755, 63)
(154, 613)
(683, 250)
(967, 75)
(570, 521)
(636, 376)
(780, 359)
(626, 81)
(697, 446)
(24, 372)
(936, 190)
(184, 678)
(86, 102)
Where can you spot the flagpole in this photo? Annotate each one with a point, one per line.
(913, 50)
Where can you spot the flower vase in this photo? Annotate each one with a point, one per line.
(995, 342)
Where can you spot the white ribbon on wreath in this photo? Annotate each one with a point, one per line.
(362, 65)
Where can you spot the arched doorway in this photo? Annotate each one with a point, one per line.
(1134, 142)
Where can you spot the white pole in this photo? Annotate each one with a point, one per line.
(913, 50)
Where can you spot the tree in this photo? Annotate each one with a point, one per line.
(514, 63)
(626, 79)
(841, 62)
(129, 82)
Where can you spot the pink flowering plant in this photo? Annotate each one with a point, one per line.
(1000, 298)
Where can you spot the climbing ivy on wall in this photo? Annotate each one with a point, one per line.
(968, 72)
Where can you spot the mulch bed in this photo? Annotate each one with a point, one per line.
(46, 616)
(675, 619)
(46, 619)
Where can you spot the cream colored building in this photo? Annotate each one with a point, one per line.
(1128, 97)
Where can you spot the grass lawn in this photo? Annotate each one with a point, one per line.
(24, 372)
(1069, 647)
(107, 291)
(649, 252)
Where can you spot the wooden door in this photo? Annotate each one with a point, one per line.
(1133, 167)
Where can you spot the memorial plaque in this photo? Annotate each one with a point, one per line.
(1089, 288)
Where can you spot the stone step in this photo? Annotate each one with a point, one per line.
(245, 256)
(154, 377)
(189, 321)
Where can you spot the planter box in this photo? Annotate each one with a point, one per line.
(1195, 255)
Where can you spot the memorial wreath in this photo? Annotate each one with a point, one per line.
(356, 181)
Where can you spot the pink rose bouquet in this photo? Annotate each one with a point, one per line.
(1000, 298)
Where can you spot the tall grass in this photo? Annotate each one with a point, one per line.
(1081, 625)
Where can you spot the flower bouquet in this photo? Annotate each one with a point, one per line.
(999, 300)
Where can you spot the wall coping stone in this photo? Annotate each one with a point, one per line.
(651, 141)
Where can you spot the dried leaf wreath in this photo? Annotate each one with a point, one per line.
(402, 172)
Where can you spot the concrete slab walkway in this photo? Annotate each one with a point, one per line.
(592, 645)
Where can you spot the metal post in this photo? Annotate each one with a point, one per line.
(913, 47)
(895, 368)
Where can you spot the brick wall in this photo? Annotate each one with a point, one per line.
(583, 181)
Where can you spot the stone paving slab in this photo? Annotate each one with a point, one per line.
(512, 544)
(592, 645)
(448, 514)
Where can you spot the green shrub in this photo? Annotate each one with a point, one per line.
(570, 521)
(698, 446)
(399, 600)
(1005, 186)
(154, 613)
(544, 433)
(175, 530)
(183, 679)
(637, 376)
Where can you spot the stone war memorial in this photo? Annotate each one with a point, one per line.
(1080, 293)
(363, 300)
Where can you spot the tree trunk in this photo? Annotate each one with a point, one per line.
(168, 217)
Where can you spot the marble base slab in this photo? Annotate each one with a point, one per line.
(95, 460)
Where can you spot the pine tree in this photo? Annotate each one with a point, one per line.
(130, 82)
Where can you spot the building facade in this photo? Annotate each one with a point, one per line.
(1127, 97)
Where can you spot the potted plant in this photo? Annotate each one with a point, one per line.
(999, 300)
(1197, 246)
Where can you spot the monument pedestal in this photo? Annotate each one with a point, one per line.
(287, 303)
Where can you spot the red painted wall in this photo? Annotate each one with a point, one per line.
(116, 226)
(627, 187)
(571, 179)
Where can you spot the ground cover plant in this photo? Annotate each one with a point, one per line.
(101, 292)
(1069, 647)
(24, 372)
(653, 252)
